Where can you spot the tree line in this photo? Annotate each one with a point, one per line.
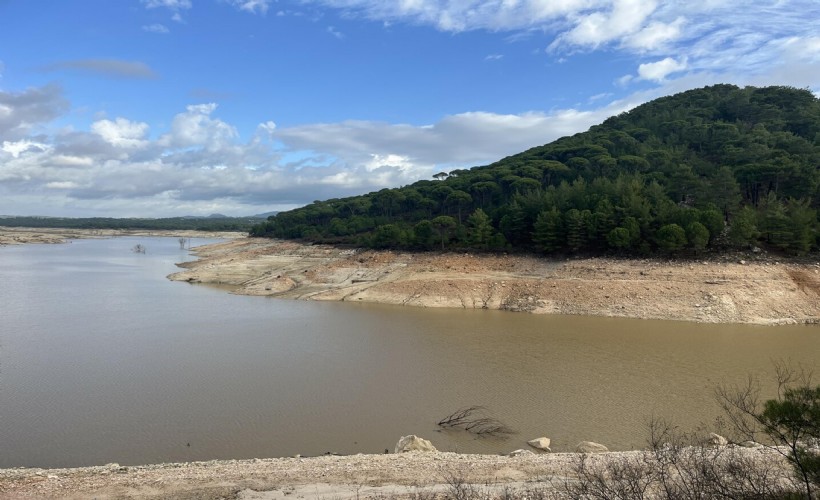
(239, 224)
(716, 167)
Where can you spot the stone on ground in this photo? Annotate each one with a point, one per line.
(413, 443)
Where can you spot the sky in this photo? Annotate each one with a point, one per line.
(161, 108)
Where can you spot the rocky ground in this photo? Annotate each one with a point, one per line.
(407, 475)
(741, 288)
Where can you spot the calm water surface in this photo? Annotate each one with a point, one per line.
(104, 360)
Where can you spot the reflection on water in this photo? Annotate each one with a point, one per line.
(104, 360)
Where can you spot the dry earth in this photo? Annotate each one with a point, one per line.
(25, 235)
(751, 288)
(407, 475)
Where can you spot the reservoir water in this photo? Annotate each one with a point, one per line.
(102, 359)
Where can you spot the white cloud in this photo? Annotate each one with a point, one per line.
(169, 4)
(336, 33)
(626, 17)
(20, 112)
(196, 127)
(156, 28)
(655, 35)
(711, 36)
(252, 6)
(657, 71)
(16, 148)
(121, 132)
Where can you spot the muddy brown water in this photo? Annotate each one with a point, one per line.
(104, 360)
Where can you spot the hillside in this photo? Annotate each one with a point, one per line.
(717, 167)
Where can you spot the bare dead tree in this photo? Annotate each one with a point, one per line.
(138, 248)
(459, 417)
(475, 420)
(676, 466)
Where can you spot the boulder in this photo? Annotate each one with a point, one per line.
(716, 440)
(413, 443)
(590, 447)
(542, 443)
(750, 444)
(520, 453)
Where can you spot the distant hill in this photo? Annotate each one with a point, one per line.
(210, 223)
(716, 167)
(265, 215)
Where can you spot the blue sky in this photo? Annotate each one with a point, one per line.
(175, 107)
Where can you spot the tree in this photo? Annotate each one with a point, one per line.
(423, 234)
(697, 235)
(443, 225)
(725, 191)
(480, 229)
(575, 229)
(387, 236)
(547, 231)
(619, 238)
(671, 238)
(743, 227)
(460, 200)
(791, 421)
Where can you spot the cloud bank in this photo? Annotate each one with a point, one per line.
(202, 165)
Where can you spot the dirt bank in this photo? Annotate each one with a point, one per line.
(25, 235)
(408, 475)
(749, 288)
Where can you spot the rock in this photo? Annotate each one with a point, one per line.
(413, 443)
(751, 444)
(542, 443)
(742, 262)
(716, 440)
(590, 447)
(520, 453)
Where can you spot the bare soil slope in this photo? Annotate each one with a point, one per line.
(744, 289)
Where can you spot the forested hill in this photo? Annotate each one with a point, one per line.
(715, 167)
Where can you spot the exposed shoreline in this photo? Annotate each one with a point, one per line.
(743, 288)
(28, 235)
(341, 477)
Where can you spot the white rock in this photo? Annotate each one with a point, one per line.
(716, 440)
(590, 447)
(751, 444)
(542, 443)
(413, 443)
(519, 453)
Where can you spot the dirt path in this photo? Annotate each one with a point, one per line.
(746, 289)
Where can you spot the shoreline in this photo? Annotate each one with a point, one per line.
(52, 236)
(749, 288)
(404, 475)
